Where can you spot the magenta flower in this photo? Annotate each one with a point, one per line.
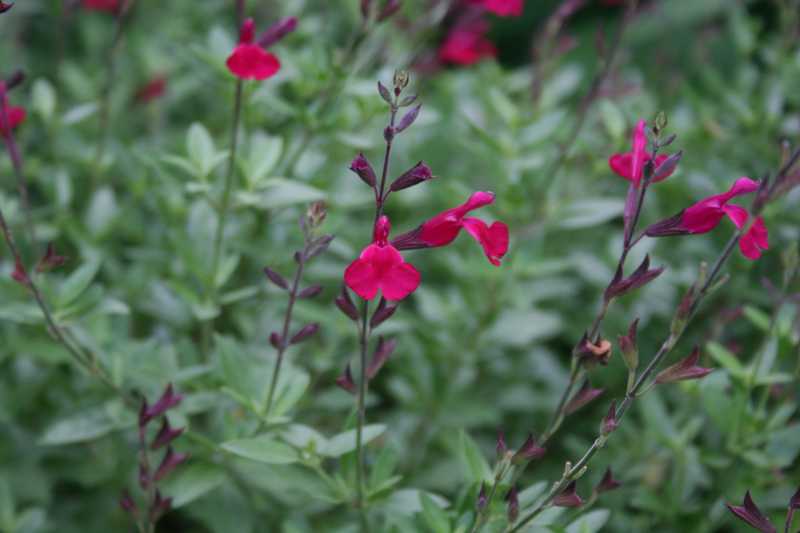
(16, 116)
(630, 165)
(381, 267)
(110, 6)
(250, 61)
(442, 229)
(706, 214)
(467, 44)
(503, 8)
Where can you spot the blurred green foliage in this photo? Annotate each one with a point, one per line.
(480, 348)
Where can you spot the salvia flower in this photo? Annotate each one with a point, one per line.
(170, 461)
(165, 435)
(683, 370)
(706, 214)
(5, 7)
(249, 61)
(442, 229)
(630, 165)
(751, 514)
(503, 8)
(568, 497)
(380, 267)
(12, 116)
(152, 90)
(467, 44)
(110, 6)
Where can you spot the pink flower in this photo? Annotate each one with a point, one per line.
(249, 61)
(110, 6)
(152, 90)
(467, 44)
(630, 165)
(503, 8)
(381, 267)
(706, 214)
(16, 116)
(442, 229)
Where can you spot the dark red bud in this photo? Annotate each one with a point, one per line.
(345, 381)
(512, 504)
(685, 369)
(608, 483)
(482, 498)
(581, 398)
(50, 260)
(382, 313)
(346, 305)
(277, 32)
(388, 133)
(305, 333)
(667, 167)
(528, 451)
(165, 435)
(361, 166)
(310, 292)
(247, 31)
(167, 401)
(276, 340)
(640, 277)
(408, 119)
(171, 460)
(382, 353)
(668, 227)
(391, 7)
(276, 278)
(415, 175)
(749, 513)
(128, 505)
(20, 275)
(568, 497)
(5, 7)
(501, 448)
(610, 421)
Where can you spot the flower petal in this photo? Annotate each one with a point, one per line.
(400, 281)
(755, 240)
(361, 277)
(737, 214)
(493, 239)
(250, 62)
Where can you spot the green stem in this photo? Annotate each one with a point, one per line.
(362, 416)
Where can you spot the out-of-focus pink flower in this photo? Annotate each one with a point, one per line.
(630, 165)
(16, 116)
(442, 229)
(110, 6)
(467, 44)
(152, 90)
(381, 267)
(503, 8)
(249, 61)
(5, 7)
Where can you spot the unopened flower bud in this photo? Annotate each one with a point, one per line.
(363, 169)
(610, 421)
(315, 214)
(20, 275)
(50, 260)
(512, 504)
(128, 505)
(382, 313)
(607, 483)
(585, 395)
(345, 381)
(528, 451)
(383, 351)
(277, 31)
(5, 7)
(501, 448)
(629, 348)
(568, 497)
(170, 461)
(408, 119)
(305, 333)
(415, 175)
(276, 340)
(310, 292)
(685, 369)
(346, 305)
(278, 280)
(482, 498)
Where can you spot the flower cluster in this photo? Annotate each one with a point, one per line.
(156, 505)
(250, 59)
(466, 42)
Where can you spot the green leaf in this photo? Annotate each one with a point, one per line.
(725, 358)
(345, 442)
(475, 465)
(200, 148)
(292, 384)
(88, 425)
(192, 482)
(282, 192)
(43, 99)
(589, 212)
(263, 449)
(78, 114)
(77, 282)
(264, 153)
(433, 515)
(757, 317)
(591, 522)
